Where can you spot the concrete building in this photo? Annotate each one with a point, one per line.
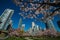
(5, 18)
(33, 25)
(34, 29)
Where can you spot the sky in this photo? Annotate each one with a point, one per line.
(8, 4)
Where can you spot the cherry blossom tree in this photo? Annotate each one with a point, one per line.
(32, 8)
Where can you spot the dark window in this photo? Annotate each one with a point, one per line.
(58, 22)
(46, 25)
(0, 22)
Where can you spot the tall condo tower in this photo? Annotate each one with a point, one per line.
(20, 23)
(33, 25)
(5, 18)
(50, 23)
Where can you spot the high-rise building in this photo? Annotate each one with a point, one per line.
(46, 25)
(37, 27)
(34, 29)
(9, 22)
(20, 23)
(33, 25)
(50, 23)
(58, 22)
(9, 27)
(5, 18)
(23, 26)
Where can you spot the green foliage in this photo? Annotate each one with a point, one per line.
(15, 38)
(33, 38)
(47, 38)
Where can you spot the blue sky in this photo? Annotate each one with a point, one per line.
(4, 4)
